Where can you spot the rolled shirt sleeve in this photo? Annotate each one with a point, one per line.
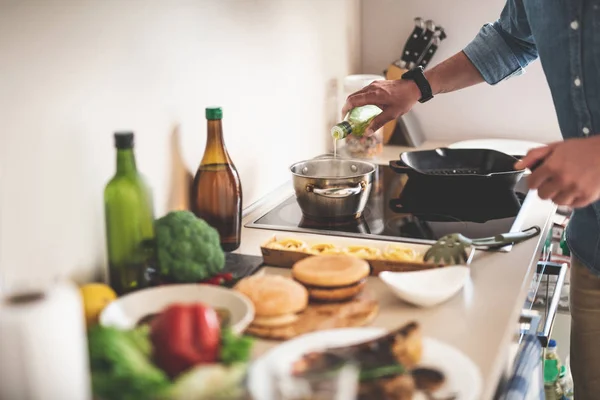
(504, 48)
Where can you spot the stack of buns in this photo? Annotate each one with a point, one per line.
(277, 301)
(332, 281)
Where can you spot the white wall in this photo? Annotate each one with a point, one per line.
(73, 72)
(520, 108)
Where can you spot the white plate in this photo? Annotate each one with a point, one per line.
(429, 287)
(126, 311)
(462, 375)
(508, 146)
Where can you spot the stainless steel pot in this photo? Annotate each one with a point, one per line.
(332, 188)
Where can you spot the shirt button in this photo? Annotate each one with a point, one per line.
(586, 130)
(574, 25)
(577, 81)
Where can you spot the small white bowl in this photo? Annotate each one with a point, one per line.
(126, 311)
(429, 287)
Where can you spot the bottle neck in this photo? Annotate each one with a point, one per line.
(341, 130)
(215, 151)
(126, 162)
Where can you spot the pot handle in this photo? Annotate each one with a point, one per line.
(337, 192)
(399, 166)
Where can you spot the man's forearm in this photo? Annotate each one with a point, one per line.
(457, 72)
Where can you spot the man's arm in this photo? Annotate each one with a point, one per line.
(504, 48)
(500, 50)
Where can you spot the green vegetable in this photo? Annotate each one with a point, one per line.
(211, 381)
(380, 372)
(120, 365)
(188, 248)
(234, 348)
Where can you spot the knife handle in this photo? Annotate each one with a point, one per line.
(411, 45)
(429, 52)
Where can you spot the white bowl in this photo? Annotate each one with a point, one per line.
(429, 287)
(126, 311)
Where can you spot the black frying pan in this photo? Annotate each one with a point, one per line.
(463, 167)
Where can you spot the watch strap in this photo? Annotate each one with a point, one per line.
(416, 75)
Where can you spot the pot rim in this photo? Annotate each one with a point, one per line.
(369, 164)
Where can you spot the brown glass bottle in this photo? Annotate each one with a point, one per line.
(217, 191)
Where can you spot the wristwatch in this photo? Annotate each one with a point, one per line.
(416, 75)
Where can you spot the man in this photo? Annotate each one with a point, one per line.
(565, 35)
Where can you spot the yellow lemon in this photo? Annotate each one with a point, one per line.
(95, 297)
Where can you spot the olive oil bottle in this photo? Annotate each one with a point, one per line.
(129, 219)
(216, 194)
(356, 122)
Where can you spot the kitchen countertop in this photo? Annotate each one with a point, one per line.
(481, 321)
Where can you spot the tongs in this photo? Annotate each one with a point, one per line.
(452, 249)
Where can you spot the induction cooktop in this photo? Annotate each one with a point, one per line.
(402, 210)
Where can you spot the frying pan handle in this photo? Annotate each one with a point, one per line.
(399, 166)
(337, 191)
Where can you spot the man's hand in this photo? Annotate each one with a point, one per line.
(395, 98)
(570, 172)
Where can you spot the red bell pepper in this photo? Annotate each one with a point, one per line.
(185, 335)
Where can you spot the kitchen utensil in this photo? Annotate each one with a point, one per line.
(429, 287)
(332, 188)
(465, 168)
(462, 377)
(429, 52)
(411, 53)
(508, 146)
(474, 205)
(128, 310)
(452, 248)
(422, 44)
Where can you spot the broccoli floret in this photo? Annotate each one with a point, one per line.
(121, 368)
(188, 249)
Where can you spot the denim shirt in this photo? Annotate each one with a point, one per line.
(565, 35)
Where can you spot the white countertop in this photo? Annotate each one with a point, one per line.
(481, 321)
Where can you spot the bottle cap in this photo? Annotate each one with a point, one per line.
(552, 343)
(213, 113)
(123, 140)
(341, 130)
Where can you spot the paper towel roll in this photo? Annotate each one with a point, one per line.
(43, 345)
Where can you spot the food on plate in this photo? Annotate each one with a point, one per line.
(184, 336)
(177, 356)
(219, 279)
(277, 301)
(210, 382)
(385, 363)
(288, 244)
(121, 365)
(393, 252)
(400, 253)
(428, 379)
(323, 248)
(366, 252)
(332, 277)
(188, 249)
(95, 297)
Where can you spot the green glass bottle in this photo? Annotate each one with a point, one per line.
(129, 214)
(356, 122)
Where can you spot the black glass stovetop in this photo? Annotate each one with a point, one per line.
(399, 209)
